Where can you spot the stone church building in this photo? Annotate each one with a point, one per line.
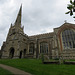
(60, 42)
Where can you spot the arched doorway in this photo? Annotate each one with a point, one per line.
(11, 53)
(20, 55)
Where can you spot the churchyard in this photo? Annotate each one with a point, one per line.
(36, 67)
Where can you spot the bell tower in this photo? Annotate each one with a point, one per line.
(16, 41)
(17, 26)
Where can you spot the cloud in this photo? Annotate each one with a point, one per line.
(44, 13)
(38, 16)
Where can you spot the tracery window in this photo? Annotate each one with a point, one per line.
(44, 47)
(68, 39)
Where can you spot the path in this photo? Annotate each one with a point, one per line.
(14, 70)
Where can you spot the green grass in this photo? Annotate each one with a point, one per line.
(36, 67)
(4, 72)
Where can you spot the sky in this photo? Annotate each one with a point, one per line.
(38, 16)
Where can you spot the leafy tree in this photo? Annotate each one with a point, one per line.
(71, 8)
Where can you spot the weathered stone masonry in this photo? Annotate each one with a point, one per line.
(61, 42)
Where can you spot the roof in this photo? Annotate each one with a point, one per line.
(42, 35)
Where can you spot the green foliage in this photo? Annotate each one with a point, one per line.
(71, 8)
(71, 13)
(71, 2)
(74, 3)
(35, 67)
(67, 12)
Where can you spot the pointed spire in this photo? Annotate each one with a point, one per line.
(18, 19)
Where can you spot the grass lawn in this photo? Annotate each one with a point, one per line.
(35, 66)
(4, 72)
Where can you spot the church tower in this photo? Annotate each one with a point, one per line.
(15, 45)
(17, 26)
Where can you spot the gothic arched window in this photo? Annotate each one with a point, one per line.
(68, 39)
(31, 48)
(44, 47)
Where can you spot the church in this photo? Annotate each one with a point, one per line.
(59, 43)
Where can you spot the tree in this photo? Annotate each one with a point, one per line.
(71, 8)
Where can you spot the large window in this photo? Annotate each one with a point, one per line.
(68, 39)
(31, 48)
(44, 47)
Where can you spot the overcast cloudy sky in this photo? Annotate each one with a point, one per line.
(38, 16)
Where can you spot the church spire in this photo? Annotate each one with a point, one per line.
(18, 19)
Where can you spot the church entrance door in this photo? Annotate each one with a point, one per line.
(11, 54)
(20, 55)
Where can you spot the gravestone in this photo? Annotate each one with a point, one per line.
(46, 58)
